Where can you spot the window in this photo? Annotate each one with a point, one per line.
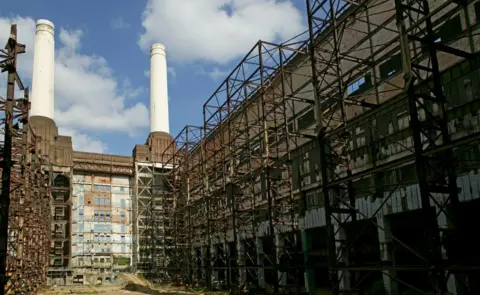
(360, 85)
(122, 239)
(122, 189)
(102, 202)
(291, 126)
(80, 238)
(80, 214)
(469, 95)
(122, 216)
(80, 201)
(306, 120)
(123, 249)
(123, 228)
(391, 66)
(477, 11)
(81, 227)
(101, 215)
(122, 203)
(356, 85)
(450, 30)
(256, 149)
(101, 188)
(96, 228)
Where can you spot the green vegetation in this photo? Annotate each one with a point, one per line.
(121, 260)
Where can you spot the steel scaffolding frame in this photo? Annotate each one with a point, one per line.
(234, 188)
(232, 183)
(25, 195)
(411, 28)
(150, 216)
(183, 175)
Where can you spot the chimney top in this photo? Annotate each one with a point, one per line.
(45, 25)
(158, 48)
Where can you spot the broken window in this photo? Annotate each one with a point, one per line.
(306, 120)
(450, 30)
(360, 85)
(391, 66)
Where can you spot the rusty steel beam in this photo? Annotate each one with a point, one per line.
(25, 201)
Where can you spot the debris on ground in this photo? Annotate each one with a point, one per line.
(130, 284)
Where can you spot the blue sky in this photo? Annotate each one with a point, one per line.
(102, 83)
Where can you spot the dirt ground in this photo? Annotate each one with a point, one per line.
(126, 284)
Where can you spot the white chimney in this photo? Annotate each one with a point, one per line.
(158, 89)
(42, 101)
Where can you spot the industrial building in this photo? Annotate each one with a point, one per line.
(342, 161)
(95, 206)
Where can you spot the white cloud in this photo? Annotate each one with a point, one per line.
(88, 97)
(215, 73)
(217, 30)
(83, 142)
(119, 23)
(94, 101)
(171, 71)
(26, 35)
(218, 74)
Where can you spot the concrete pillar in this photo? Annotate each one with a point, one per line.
(385, 240)
(260, 256)
(340, 243)
(242, 273)
(309, 271)
(280, 242)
